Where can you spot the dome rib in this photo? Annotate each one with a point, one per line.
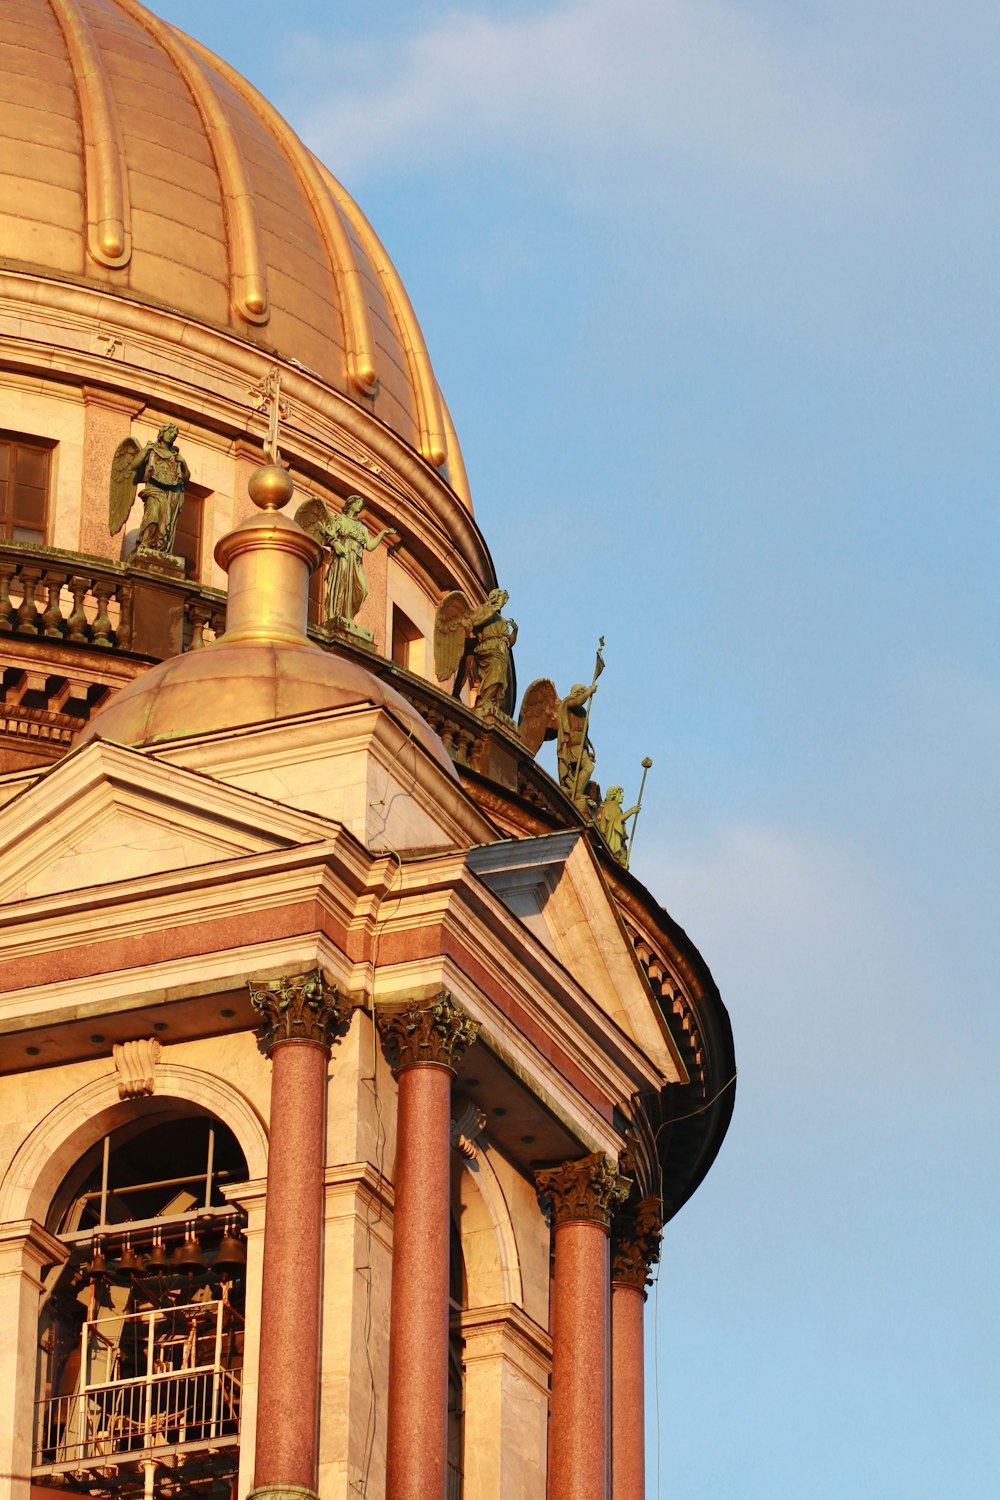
(247, 265)
(359, 342)
(430, 420)
(108, 211)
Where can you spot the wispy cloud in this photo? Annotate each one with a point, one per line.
(590, 79)
(816, 955)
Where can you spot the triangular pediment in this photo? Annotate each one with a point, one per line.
(554, 885)
(106, 814)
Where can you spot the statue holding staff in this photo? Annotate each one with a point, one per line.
(611, 819)
(546, 716)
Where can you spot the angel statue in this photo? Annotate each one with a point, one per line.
(474, 645)
(611, 820)
(546, 716)
(163, 474)
(346, 539)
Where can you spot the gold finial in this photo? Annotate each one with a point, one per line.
(271, 487)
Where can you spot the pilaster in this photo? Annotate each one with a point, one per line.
(25, 1247)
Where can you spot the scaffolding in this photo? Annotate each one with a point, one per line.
(155, 1387)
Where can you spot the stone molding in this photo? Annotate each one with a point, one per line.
(432, 1033)
(299, 1008)
(635, 1243)
(510, 1320)
(586, 1191)
(136, 1065)
(282, 1492)
(32, 1242)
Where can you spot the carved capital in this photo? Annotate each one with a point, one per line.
(635, 1243)
(433, 1031)
(589, 1190)
(136, 1066)
(298, 1008)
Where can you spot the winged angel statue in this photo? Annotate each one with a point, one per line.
(475, 646)
(163, 475)
(346, 540)
(546, 716)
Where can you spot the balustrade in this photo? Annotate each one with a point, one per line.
(63, 603)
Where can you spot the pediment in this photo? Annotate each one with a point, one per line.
(554, 885)
(106, 814)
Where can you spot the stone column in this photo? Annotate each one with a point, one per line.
(25, 1247)
(581, 1196)
(423, 1042)
(301, 1017)
(635, 1247)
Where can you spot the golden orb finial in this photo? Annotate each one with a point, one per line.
(271, 487)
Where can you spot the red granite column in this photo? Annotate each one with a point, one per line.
(581, 1195)
(300, 1018)
(635, 1246)
(423, 1042)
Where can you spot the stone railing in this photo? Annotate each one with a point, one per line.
(61, 608)
(64, 600)
(95, 602)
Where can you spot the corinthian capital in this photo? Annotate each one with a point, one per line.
(431, 1031)
(589, 1189)
(635, 1242)
(298, 1008)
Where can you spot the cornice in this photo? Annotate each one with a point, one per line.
(188, 366)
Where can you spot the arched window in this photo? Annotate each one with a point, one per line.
(141, 1329)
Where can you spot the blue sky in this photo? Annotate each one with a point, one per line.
(712, 290)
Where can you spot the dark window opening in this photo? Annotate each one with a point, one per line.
(25, 469)
(141, 1330)
(187, 538)
(407, 642)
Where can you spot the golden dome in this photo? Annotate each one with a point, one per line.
(137, 161)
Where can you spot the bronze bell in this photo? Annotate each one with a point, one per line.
(158, 1258)
(98, 1265)
(188, 1257)
(231, 1254)
(129, 1263)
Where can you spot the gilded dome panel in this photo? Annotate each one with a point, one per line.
(149, 167)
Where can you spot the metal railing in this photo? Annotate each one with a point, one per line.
(182, 1396)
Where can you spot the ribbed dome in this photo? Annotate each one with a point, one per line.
(136, 160)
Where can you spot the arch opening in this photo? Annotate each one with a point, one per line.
(141, 1328)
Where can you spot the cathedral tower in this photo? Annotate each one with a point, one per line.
(349, 1077)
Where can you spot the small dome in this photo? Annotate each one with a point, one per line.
(264, 667)
(231, 684)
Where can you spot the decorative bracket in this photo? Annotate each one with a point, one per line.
(136, 1065)
(466, 1125)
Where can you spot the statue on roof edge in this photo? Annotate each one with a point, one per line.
(163, 474)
